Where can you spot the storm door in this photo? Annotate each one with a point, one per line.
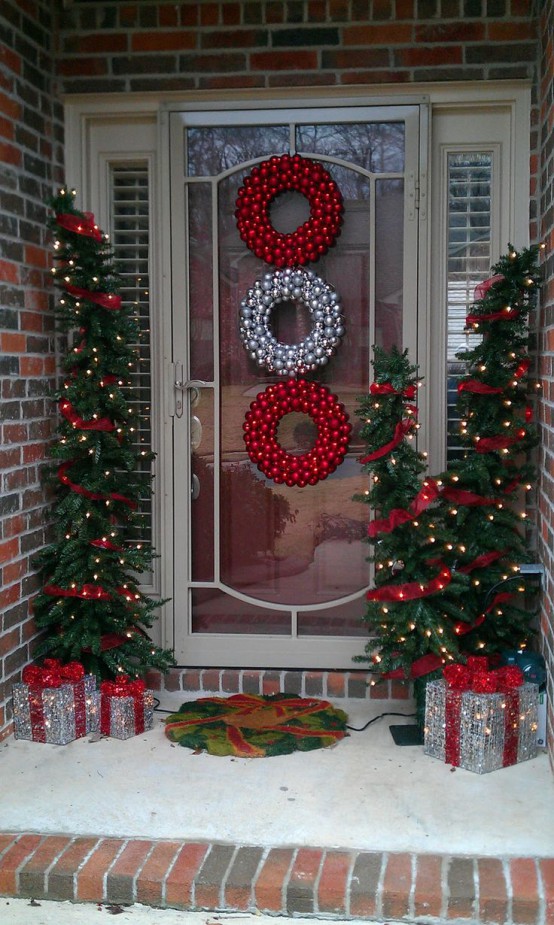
(270, 574)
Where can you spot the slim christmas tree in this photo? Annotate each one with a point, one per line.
(483, 492)
(90, 607)
(415, 608)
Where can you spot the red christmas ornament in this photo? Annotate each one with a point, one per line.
(261, 427)
(263, 185)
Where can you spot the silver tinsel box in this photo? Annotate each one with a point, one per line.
(480, 732)
(121, 719)
(56, 715)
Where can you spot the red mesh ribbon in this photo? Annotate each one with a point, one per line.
(92, 495)
(85, 592)
(402, 428)
(466, 498)
(103, 299)
(488, 444)
(69, 413)
(123, 687)
(480, 388)
(522, 368)
(385, 388)
(482, 288)
(52, 674)
(80, 224)
(105, 544)
(418, 669)
(411, 591)
(482, 561)
(507, 314)
(398, 515)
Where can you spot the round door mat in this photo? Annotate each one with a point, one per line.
(256, 726)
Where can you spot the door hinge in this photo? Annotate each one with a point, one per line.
(416, 192)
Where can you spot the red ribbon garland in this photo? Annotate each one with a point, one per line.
(399, 516)
(79, 224)
(91, 495)
(105, 544)
(482, 288)
(480, 388)
(88, 592)
(507, 314)
(385, 388)
(411, 591)
(488, 444)
(402, 428)
(482, 561)
(103, 299)
(69, 413)
(466, 498)
(420, 667)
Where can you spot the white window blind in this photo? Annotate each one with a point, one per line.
(469, 261)
(130, 204)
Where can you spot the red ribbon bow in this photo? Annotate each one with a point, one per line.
(476, 676)
(123, 687)
(52, 674)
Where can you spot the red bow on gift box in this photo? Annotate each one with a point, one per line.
(123, 687)
(478, 677)
(52, 673)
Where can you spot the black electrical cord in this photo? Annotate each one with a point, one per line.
(375, 718)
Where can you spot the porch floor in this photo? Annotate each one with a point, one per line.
(364, 829)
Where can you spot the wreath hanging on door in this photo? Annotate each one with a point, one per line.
(323, 303)
(261, 428)
(261, 187)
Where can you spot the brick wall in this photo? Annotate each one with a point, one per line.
(546, 234)
(30, 149)
(141, 46)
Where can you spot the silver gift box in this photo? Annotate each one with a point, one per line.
(481, 726)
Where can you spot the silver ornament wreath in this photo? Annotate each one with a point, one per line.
(294, 284)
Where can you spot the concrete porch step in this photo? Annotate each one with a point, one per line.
(286, 881)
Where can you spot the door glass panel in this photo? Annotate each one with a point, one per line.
(201, 429)
(200, 295)
(376, 146)
(211, 151)
(389, 259)
(216, 612)
(338, 620)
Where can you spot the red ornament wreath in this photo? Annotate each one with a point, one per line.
(263, 185)
(262, 422)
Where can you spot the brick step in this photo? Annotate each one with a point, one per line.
(331, 883)
(355, 685)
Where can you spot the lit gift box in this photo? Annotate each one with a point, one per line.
(481, 720)
(126, 708)
(55, 703)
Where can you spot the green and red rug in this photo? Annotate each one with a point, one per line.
(256, 726)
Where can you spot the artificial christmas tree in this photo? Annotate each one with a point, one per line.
(415, 608)
(484, 491)
(90, 607)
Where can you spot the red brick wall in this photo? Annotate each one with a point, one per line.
(546, 346)
(30, 147)
(145, 46)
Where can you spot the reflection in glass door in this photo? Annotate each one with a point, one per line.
(267, 574)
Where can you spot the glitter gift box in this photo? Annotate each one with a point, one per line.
(126, 708)
(480, 731)
(50, 707)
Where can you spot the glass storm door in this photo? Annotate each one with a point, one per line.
(269, 575)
